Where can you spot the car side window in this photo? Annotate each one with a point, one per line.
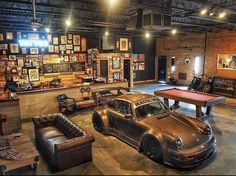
(123, 107)
(111, 104)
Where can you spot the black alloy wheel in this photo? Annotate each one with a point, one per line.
(97, 123)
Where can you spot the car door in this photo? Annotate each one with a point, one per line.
(127, 127)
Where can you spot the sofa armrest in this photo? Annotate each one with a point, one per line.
(44, 121)
(74, 143)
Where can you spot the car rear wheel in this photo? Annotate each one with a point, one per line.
(152, 148)
(97, 123)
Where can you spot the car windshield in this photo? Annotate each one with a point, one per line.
(152, 108)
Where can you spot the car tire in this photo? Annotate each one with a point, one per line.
(152, 148)
(97, 123)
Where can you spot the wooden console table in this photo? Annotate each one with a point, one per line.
(23, 145)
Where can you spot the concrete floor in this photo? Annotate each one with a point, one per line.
(113, 157)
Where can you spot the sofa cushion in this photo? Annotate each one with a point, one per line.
(50, 132)
(52, 141)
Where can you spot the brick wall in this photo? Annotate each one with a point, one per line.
(190, 46)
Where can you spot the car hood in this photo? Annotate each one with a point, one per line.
(174, 126)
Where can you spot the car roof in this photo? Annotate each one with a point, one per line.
(137, 97)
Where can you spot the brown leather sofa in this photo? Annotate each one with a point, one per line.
(62, 143)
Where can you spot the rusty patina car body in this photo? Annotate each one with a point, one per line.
(144, 122)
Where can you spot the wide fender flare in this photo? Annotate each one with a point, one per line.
(102, 113)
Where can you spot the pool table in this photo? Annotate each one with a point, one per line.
(199, 99)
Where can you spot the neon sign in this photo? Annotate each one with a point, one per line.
(34, 43)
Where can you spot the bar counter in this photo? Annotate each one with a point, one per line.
(39, 102)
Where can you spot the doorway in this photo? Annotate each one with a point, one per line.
(162, 68)
(104, 69)
(127, 70)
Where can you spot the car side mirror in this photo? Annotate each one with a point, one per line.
(128, 116)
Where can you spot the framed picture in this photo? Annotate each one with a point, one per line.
(33, 74)
(18, 34)
(24, 50)
(51, 49)
(76, 48)
(141, 57)
(12, 57)
(20, 62)
(76, 39)
(66, 58)
(124, 44)
(73, 58)
(56, 49)
(69, 41)
(130, 45)
(4, 52)
(116, 63)
(136, 66)
(67, 51)
(82, 57)
(62, 47)
(141, 66)
(24, 71)
(3, 63)
(108, 43)
(14, 48)
(33, 36)
(9, 36)
(116, 76)
(135, 57)
(55, 40)
(3, 46)
(70, 36)
(1, 37)
(117, 44)
(69, 47)
(34, 51)
(63, 39)
(83, 44)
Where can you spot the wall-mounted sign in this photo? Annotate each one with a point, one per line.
(33, 43)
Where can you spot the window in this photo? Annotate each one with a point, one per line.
(111, 104)
(123, 107)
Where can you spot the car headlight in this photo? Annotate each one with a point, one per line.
(179, 143)
(207, 129)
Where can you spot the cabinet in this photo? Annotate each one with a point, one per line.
(224, 86)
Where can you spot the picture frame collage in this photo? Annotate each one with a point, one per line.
(138, 62)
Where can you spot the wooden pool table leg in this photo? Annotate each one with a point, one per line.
(198, 111)
(208, 110)
(166, 101)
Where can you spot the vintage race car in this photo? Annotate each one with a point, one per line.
(145, 123)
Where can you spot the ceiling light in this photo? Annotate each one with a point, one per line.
(34, 29)
(203, 11)
(147, 35)
(106, 33)
(112, 2)
(212, 13)
(222, 15)
(173, 31)
(47, 30)
(68, 22)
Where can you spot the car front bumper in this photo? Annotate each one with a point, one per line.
(192, 158)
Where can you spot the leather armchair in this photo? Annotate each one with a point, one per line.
(62, 143)
(66, 105)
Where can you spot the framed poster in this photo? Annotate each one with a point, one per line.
(4, 52)
(70, 36)
(33, 36)
(24, 50)
(1, 37)
(226, 61)
(141, 66)
(56, 49)
(14, 48)
(69, 41)
(63, 39)
(67, 51)
(76, 39)
(51, 49)
(135, 66)
(12, 57)
(73, 58)
(24, 71)
(3, 46)
(135, 57)
(20, 62)
(108, 43)
(116, 76)
(141, 57)
(62, 47)
(83, 44)
(34, 51)
(69, 47)
(49, 38)
(116, 63)
(66, 58)
(33, 74)
(82, 57)
(3, 64)
(124, 44)
(9, 35)
(76, 48)
(55, 41)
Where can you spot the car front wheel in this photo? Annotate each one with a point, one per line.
(97, 123)
(152, 148)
